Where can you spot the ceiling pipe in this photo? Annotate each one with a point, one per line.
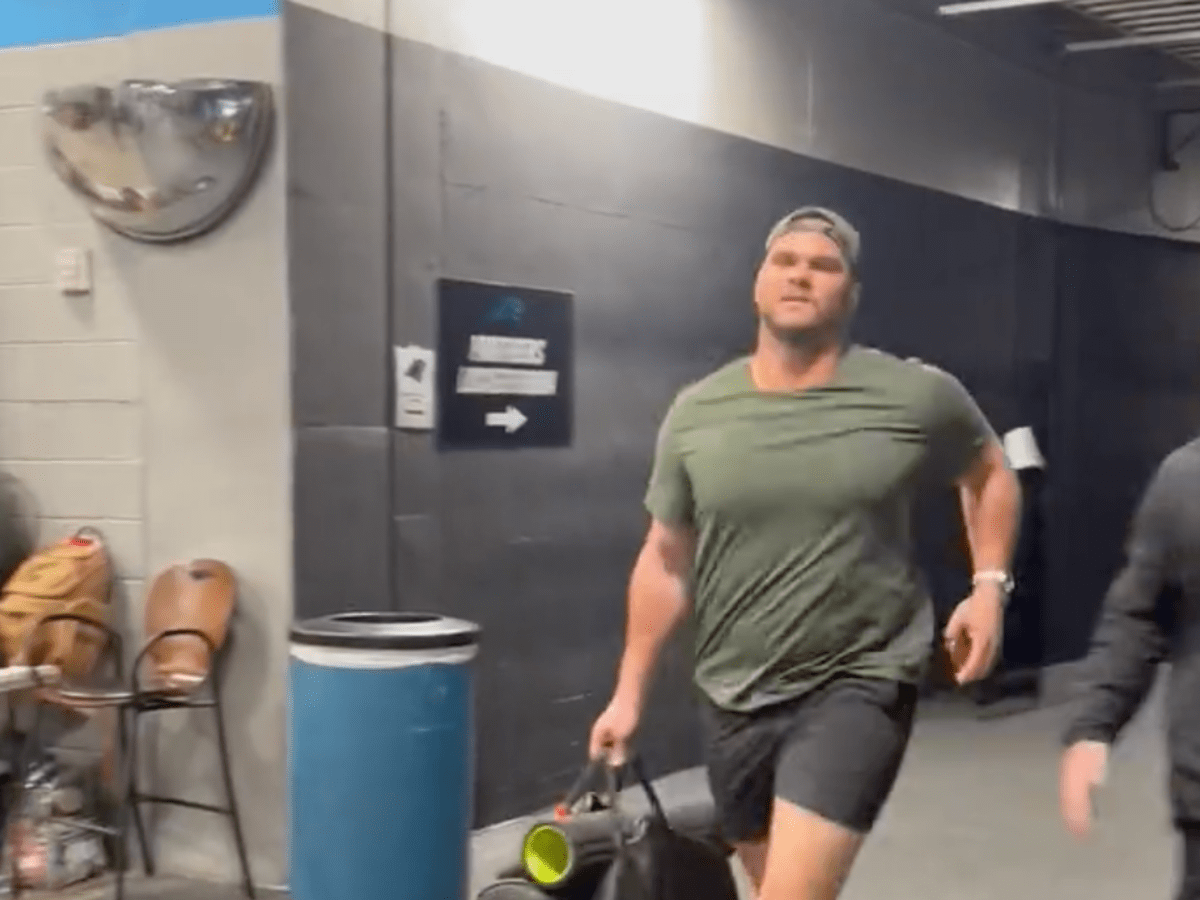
(977, 6)
(1135, 40)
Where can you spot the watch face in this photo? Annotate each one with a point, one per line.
(1004, 582)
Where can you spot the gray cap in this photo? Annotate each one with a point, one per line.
(826, 222)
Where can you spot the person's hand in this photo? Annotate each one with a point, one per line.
(973, 633)
(1082, 771)
(613, 731)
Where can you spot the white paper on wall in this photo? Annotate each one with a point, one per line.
(1021, 448)
(414, 387)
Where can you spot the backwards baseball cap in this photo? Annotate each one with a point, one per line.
(822, 221)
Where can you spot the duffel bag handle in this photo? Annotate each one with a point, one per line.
(613, 783)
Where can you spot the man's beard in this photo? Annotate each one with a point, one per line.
(806, 337)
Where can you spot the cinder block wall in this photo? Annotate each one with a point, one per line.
(158, 408)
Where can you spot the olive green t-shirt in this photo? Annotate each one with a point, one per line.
(800, 503)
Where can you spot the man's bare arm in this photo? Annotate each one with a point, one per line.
(657, 603)
(990, 495)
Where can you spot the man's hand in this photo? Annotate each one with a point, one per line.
(974, 631)
(1082, 771)
(613, 731)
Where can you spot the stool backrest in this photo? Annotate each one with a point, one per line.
(200, 595)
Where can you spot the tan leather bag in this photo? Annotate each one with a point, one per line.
(73, 575)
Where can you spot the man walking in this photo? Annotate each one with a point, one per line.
(779, 504)
(1134, 634)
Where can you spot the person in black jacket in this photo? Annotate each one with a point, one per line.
(1163, 558)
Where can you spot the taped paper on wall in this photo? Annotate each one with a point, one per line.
(512, 351)
(414, 388)
(518, 382)
(1021, 448)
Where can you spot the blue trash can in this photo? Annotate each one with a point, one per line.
(381, 756)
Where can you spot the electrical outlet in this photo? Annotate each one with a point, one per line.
(73, 271)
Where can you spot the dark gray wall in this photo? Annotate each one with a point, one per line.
(1127, 392)
(409, 163)
(337, 215)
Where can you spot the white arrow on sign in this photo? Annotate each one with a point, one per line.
(510, 420)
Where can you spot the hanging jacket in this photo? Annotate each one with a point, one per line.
(1134, 633)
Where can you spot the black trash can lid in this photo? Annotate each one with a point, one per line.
(385, 631)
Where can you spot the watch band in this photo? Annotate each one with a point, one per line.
(1001, 579)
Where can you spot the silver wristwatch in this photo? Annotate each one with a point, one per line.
(1002, 580)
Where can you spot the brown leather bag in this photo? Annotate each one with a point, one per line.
(74, 576)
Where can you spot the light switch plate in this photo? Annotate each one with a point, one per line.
(73, 271)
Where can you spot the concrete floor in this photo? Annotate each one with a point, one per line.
(974, 817)
(139, 888)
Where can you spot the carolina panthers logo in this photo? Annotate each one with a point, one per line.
(507, 310)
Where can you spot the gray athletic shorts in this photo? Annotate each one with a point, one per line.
(835, 752)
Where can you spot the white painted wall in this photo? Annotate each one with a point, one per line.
(159, 410)
(70, 385)
(848, 81)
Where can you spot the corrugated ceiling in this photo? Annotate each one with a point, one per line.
(1169, 26)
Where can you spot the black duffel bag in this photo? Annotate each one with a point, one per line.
(653, 861)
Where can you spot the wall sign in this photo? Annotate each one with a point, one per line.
(414, 387)
(504, 373)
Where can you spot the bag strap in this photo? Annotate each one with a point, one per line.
(635, 765)
(613, 784)
(586, 778)
(614, 882)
